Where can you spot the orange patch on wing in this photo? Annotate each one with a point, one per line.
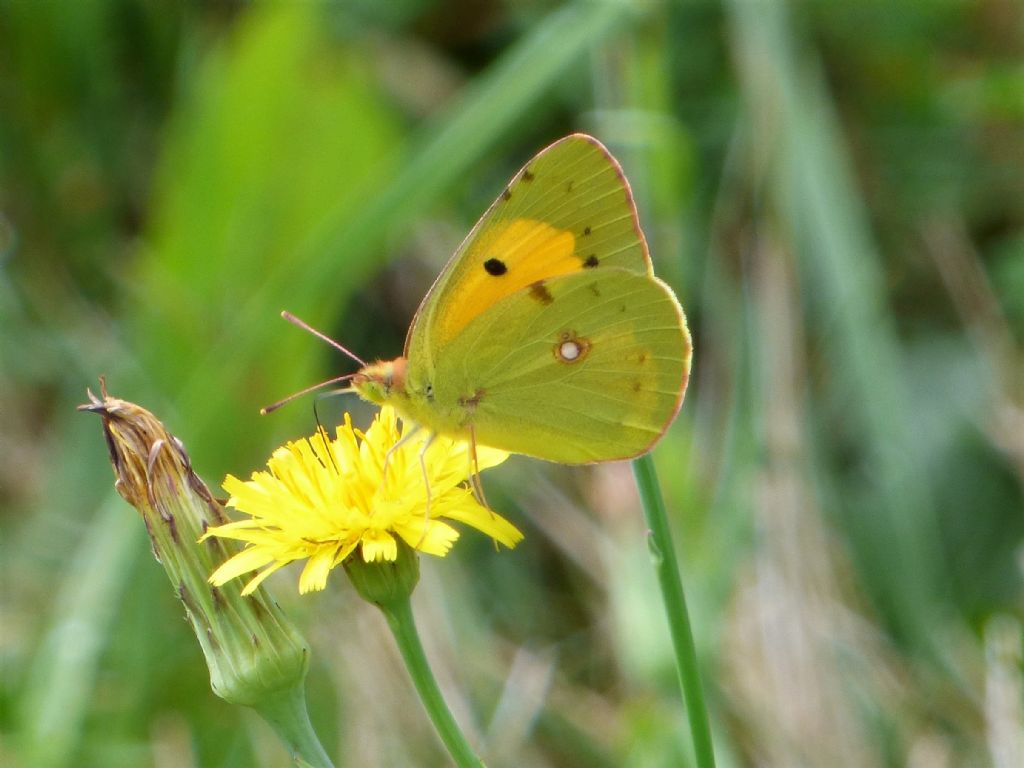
(529, 250)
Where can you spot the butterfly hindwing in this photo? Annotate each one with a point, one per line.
(579, 368)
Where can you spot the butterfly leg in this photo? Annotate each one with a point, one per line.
(426, 484)
(402, 441)
(474, 471)
(474, 477)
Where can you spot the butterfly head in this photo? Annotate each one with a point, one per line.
(378, 382)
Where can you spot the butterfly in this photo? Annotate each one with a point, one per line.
(547, 333)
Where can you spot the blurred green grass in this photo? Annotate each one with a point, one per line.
(835, 190)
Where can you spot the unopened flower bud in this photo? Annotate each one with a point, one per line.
(251, 649)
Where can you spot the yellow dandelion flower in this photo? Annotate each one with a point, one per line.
(321, 499)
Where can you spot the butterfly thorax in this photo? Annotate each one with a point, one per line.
(390, 382)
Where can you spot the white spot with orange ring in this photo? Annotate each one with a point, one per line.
(569, 351)
(570, 348)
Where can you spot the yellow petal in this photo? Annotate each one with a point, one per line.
(255, 582)
(247, 560)
(379, 545)
(314, 575)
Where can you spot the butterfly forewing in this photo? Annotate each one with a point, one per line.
(568, 210)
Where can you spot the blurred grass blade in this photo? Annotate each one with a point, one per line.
(340, 251)
(893, 526)
(282, 126)
(490, 108)
(61, 681)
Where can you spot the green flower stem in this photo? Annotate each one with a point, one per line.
(399, 615)
(286, 712)
(667, 569)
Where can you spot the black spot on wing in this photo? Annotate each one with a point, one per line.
(528, 176)
(506, 195)
(591, 261)
(495, 267)
(586, 230)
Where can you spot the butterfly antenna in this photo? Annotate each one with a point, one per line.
(270, 408)
(322, 336)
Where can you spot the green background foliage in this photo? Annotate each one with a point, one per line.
(834, 189)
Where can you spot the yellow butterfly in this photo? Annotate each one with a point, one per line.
(547, 333)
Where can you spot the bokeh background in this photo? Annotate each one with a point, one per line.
(834, 189)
